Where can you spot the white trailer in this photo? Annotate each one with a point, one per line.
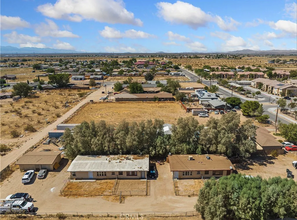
(15, 206)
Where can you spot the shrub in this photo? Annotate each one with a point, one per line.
(61, 215)
(4, 148)
(81, 94)
(58, 115)
(30, 128)
(33, 111)
(39, 113)
(15, 133)
(28, 101)
(274, 153)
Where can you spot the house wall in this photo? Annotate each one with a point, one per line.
(25, 167)
(268, 150)
(109, 175)
(196, 175)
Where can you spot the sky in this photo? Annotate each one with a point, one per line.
(150, 25)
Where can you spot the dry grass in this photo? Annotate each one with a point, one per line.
(89, 189)
(189, 187)
(245, 61)
(37, 110)
(131, 187)
(22, 74)
(114, 113)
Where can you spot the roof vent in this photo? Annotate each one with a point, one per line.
(191, 158)
(207, 157)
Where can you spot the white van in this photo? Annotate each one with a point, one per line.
(28, 176)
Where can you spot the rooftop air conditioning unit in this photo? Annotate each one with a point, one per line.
(191, 158)
(207, 157)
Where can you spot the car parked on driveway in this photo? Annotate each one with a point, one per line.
(217, 112)
(203, 115)
(20, 196)
(222, 112)
(287, 144)
(42, 173)
(233, 110)
(295, 164)
(28, 176)
(291, 148)
(290, 174)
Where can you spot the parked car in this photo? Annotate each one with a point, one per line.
(295, 164)
(233, 110)
(287, 144)
(287, 97)
(20, 196)
(28, 176)
(152, 172)
(203, 115)
(222, 112)
(236, 107)
(102, 92)
(291, 148)
(16, 206)
(290, 174)
(42, 173)
(216, 112)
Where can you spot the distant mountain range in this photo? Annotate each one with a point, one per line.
(30, 50)
(34, 50)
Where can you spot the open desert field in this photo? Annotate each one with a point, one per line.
(22, 74)
(38, 110)
(245, 61)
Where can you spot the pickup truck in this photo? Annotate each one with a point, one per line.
(19, 196)
(16, 206)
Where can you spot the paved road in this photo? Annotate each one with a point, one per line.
(38, 136)
(269, 108)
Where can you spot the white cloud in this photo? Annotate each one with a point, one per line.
(15, 38)
(285, 26)
(186, 13)
(200, 37)
(268, 43)
(51, 29)
(229, 25)
(255, 23)
(269, 35)
(291, 10)
(220, 35)
(196, 46)
(173, 36)
(170, 43)
(112, 33)
(121, 49)
(63, 45)
(109, 11)
(37, 45)
(10, 23)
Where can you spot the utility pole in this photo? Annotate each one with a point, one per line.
(276, 119)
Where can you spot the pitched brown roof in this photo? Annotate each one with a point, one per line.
(199, 162)
(264, 139)
(38, 158)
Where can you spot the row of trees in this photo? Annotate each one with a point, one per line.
(223, 136)
(240, 197)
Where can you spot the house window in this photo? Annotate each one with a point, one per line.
(132, 173)
(73, 174)
(206, 172)
(101, 173)
(187, 173)
(120, 173)
(112, 173)
(198, 172)
(217, 172)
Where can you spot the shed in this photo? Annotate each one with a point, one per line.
(55, 133)
(39, 160)
(64, 126)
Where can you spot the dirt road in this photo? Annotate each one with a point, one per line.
(38, 136)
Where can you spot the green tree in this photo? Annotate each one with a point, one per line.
(293, 73)
(50, 70)
(250, 108)
(179, 96)
(36, 66)
(121, 72)
(135, 87)
(176, 67)
(118, 86)
(213, 88)
(224, 82)
(61, 80)
(282, 103)
(21, 89)
(258, 93)
(292, 105)
(92, 82)
(2, 81)
(269, 74)
(233, 101)
(289, 131)
(260, 85)
(263, 118)
(149, 76)
(189, 67)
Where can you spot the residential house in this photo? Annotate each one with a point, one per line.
(96, 77)
(5, 95)
(203, 95)
(223, 74)
(11, 77)
(252, 75)
(267, 143)
(39, 160)
(218, 104)
(199, 166)
(109, 167)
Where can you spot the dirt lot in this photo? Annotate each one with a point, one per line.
(88, 189)
(142, 79)
(245, 61)
(269, 167)
(132, 187)
(37, 111)
(188, 187)
(22, 74)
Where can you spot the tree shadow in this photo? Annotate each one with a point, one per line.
(63, 163)
(259, 159)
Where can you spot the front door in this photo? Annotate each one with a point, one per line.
(142, 175)
(90, 175)
(175, 175)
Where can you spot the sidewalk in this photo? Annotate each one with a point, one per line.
(273, 111)
(235, 94)
(38, 136)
